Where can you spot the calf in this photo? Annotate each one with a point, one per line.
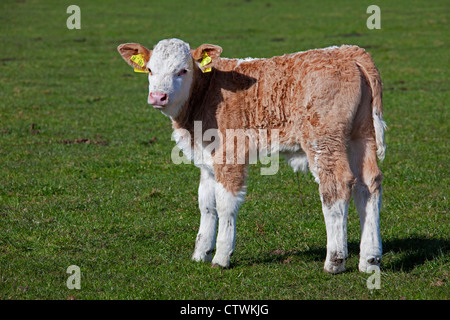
(324, 106)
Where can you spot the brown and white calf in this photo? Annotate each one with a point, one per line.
(325, 106)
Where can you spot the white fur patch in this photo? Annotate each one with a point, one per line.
(245, 60)
(379, 126)
(168, 58)
(297, 160)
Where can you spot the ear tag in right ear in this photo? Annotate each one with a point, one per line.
(140, 71)
(139, 60)
(206, 60)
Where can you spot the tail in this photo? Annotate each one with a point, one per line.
(370, 71)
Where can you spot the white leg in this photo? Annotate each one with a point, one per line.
(206, 237)
(227, 209)
(336, 224)
(368, 206)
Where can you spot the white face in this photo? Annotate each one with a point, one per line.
(171, 74)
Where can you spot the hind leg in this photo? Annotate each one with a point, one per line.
(332, 172)
(367, 195)
(368, 205)
(335, 215)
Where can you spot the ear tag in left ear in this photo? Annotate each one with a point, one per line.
(139, 60)
(206, 60)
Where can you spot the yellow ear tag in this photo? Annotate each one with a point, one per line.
(140, 71)
(206, 60)
(139, 60)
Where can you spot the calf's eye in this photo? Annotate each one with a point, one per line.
(184, 71)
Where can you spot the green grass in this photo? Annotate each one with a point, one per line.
(84, 182)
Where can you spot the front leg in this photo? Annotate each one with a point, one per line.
(228, 204)
(205, 242)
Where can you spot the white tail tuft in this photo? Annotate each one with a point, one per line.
(379, 126)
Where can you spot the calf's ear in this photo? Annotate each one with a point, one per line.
(135, 55)
(206, 55)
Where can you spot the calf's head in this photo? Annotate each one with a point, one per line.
(172, 67)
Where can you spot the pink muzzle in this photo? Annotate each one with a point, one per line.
(158, 99)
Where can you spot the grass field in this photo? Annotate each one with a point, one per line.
(86, 176)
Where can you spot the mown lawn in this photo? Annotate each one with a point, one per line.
(86, 176)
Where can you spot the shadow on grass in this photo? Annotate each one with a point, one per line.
(398, 254)
(406, 254)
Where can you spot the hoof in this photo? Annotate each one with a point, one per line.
(202, 257)
(367, 264)
(334, 268)
(221, 261)
(334, 265)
